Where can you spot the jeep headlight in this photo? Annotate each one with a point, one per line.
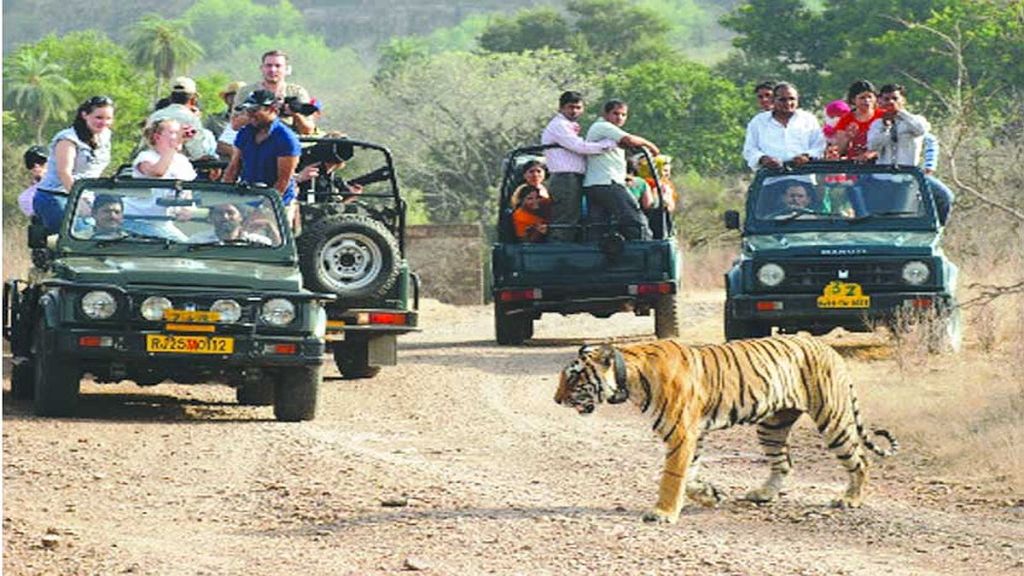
(771, 274)
(277, 312)
(99, 304)
(153, 307)
(229, 310)
(916, 272)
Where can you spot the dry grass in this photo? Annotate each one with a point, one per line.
(962, 413)
(704, 268)
(17, 258)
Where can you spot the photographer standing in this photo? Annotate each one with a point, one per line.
(265, 151)
(274, 67)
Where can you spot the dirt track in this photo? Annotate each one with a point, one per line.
(455, 462)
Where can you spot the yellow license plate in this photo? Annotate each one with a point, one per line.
(161, 343)
(843, 295)
(201, 316)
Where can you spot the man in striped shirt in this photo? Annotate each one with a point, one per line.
(567, 165)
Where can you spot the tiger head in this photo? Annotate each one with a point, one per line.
(598, 373)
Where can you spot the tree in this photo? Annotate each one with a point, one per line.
(689, 112)
(35, 87)
(163, 45)
(96, 66)
(603, 35)
(222, 26)
(451, 118)
(527, 30)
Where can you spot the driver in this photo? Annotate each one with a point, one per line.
(108, 214)
(796, 197)
(228, 220)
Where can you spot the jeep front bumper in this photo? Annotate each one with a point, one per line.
(797, 311)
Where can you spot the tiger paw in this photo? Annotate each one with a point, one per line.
(656, 516)
(846, 502)
(705, 494)
(761, 495)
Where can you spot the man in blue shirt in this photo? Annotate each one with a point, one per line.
(266, 151)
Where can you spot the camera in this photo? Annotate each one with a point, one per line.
(326, 152)
(304, 108)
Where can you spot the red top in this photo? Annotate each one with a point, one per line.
(523, 219)
(859, 144)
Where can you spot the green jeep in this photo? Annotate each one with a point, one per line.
(839, 244)
(601, 274)
(153, 280)
(352, 245)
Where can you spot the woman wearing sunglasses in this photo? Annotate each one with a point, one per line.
(80, 151)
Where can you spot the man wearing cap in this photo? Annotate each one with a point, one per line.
(219, 123)
(266, 151)
(216, 122)
(274, 67)
(35, 162)
(200, 143)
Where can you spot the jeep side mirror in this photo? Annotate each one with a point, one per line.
(732, 219)
(37, 235)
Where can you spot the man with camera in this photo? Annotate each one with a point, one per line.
(200, 143)
(266, 152)
(274, 67)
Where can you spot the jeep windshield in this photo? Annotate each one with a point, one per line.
(109, 212)
(839, 196)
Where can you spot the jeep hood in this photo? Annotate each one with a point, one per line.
(844, 243)
(186, 272)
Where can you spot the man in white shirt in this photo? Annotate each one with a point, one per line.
(567, 165)
(784, 134)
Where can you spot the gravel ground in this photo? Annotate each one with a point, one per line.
(457, 461)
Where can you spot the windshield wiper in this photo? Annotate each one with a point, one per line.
(885, 213)
(228, 242)
(147, 238)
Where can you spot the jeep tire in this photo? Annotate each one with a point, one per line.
(256, 393)
(351, 255)
(667, 311)
(23, 380)
(741, 329)
(352, 358)
(511, 329)
(57, 380)
(295, 393)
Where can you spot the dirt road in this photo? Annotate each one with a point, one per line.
(455, 462)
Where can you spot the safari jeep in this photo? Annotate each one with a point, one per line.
(352, 245)
(601, 274)
(837, 244)
(153, 280)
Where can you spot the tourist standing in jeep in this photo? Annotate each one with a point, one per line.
(274, 67)
(266, 151)
(788, 134)
(567, 164)
(605, 181)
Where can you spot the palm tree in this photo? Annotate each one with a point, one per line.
(164, 45)
(36, 89)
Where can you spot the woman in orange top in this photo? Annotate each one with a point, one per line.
(852, 129)
(530, 219)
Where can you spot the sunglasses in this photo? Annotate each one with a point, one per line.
(98, 101)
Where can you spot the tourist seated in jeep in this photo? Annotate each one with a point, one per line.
(228, 221)
(531, 216)
(107, 220)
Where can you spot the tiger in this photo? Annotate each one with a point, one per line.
(691, 390)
